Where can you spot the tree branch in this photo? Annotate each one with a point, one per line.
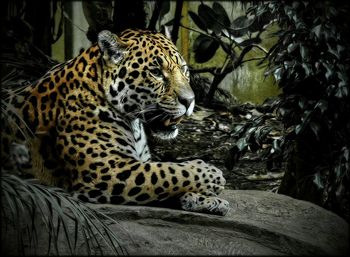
(253, 59)
(155, 14)
(177, 18)
(212, 70)
(198, 31)
(260, 47)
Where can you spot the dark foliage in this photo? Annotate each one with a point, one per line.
(41, 24)
(257, 136)
(126, 14)
(26, 39)
(310, 62)
(24, 205)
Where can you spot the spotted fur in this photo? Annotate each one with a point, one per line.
(85, 122)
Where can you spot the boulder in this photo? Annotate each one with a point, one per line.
(258, 223)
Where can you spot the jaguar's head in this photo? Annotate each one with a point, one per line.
(146, 77)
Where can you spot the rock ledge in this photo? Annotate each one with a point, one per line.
(258, 223)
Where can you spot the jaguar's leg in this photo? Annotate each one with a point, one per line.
(104, 168)
(129, 181)
(196, 202)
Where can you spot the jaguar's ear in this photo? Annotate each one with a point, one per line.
(112, 47)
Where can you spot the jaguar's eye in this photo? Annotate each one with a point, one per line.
(157, 72)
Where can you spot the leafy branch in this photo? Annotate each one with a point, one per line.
(216, 30)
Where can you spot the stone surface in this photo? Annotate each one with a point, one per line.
(258, 223)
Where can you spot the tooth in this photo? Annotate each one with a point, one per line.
(177, 120)
(167, 122)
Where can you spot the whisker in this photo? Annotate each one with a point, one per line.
(153, 118)
(139, 112)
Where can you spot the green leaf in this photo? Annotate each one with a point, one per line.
(343, 76)
(333, 52)
(346, 154)
(289, 64)
(241, 25)
(289, 11)
(241, 22)
(298, 129)
(197, 20)
(295, 4)
(307, 69)
(315, 128)
(251, 130)
(291, 47)
(276, 146)
(223, 19)
(342, 91)
(242, 143)
(278, 74)
(209, 18)
(322, 105)
(205, 12)
(338, 172)
(302, 103)
(317, 30)
(283, 111)
(238, 129)
(330, 70)
(317, 181)
(204, 48)
(304, 52)
(340, 49)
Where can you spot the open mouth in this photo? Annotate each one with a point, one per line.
(162, 124)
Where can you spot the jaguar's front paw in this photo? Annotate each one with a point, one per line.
(208, 179)
(206, 204)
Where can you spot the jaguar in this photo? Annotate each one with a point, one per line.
(84, 122)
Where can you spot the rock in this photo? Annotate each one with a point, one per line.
(258, 223)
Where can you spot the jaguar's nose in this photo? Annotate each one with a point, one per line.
(188, 102)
